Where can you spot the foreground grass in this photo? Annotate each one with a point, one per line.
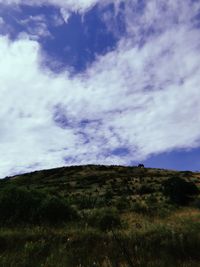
(148, 242)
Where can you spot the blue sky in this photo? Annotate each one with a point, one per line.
(103, 82)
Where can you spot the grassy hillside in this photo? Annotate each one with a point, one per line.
(100, 216)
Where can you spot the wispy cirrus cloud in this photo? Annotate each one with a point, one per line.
(36, 27)
(137, 100)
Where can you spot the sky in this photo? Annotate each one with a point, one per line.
(99, 82)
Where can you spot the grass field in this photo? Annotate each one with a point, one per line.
(108, 216)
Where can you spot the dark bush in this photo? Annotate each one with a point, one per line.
(196, 203)
(85, 201)
(145, 189)
(108, 195)
(179, 191)
(122, 203)
(55, 210)
(20, 205)
(187, 173)
(105, 219)
(140, 207)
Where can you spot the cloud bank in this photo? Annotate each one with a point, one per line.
(78, 5)
(141, 99)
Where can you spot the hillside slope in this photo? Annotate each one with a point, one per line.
(105, 216)
(93, 180)
(92, 183)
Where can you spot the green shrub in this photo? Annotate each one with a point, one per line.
(187, 173)
(55, 210)
(108, 195)
(109, 220)
(105, 219)
(140, 207)
(19, 205)
(122, 204)
(145, 189)
(197, 203)
(85, 202)
(179, 191)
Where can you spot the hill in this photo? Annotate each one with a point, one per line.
(92, 180)
(100, 216)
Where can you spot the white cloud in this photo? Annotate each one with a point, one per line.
(36, 26)
(65, 14)
(67, 5)
(143, 98)
(78, 5)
